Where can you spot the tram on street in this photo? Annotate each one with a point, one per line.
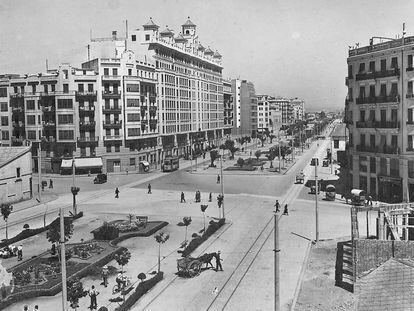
(170, 164)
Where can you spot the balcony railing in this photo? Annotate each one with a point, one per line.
(92, 139)
(113, 137)
(111, 94)
(86, 94)
(17, 95)
(87, 124)
(411, 95)
(377, 99)
(17, 109)
(111, 77)
(378, 124)
(115, 110)
(112, 125)
(49, 124)
(378, 74)
(379, 149)
(17, 124)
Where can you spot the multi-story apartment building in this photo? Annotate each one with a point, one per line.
(105, 109)
(263, 119)
(379, 115)
(245, 108)
(228, 112)
(298, 109)
(190, 87)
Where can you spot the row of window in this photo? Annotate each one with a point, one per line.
(383, 65)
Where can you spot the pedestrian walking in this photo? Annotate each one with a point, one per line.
(25, 308)
(149, 189)
(285, 210)
(126, 171)
(51, 183)
(210, 197)
(105, 273)
(197, 196)
(218, 179)
(182, 197)
(277, 206)
(218, 261)
(36, 308)
(93, 293)
(3, 291)
(117, 193)
(20, 252)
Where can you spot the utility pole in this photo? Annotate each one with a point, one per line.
(222, 181)
(73, 170)
(277, 251)
(63, 261)
(39, 170)
(316, 199)
(191, 153)
(331, 156)
(278, 135)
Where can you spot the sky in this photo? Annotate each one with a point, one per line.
(286, 48)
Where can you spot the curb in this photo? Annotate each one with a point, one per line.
(301, 276)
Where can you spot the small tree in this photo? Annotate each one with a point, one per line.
(75, 291)
(123, 258)
(240, 162)
(273, 153)
(53, 234)
(6, 209)
(262, 138)
(214, 154)
(142, 277)
(186, 221)
(130, 217)
(257, 154)
(161, 238)
(229, 145)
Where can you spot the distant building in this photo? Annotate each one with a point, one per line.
(245, 108)
(228, 112)
(15, 173)
(339, 138)
(263, 119)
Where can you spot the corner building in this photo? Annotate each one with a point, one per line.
(379, 115)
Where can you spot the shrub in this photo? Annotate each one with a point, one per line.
(106, 232)
(141, 289)
(237, 168)
(194, 243)
(240, 162)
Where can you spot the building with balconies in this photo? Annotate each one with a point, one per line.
(379, 116)
(263, 114)
(228, 108)
(245, 108)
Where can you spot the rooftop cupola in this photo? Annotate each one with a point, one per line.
(150, 25)
(188, 28)
(167, 33)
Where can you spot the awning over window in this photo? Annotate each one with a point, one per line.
(88, 162)
(66, 163)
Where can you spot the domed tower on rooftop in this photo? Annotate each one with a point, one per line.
(150, 30)
(188, 29)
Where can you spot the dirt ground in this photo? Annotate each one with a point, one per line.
(318, 290)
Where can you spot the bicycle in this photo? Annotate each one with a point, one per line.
(124, 284)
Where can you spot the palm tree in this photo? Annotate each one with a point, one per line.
(160, 238)
(186, 222)
(6, 209)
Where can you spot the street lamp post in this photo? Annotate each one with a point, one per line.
(276, 253)
(222, 181)
(315, 160)
(63, 262)
(39, 170)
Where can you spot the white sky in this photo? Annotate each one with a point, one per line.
(290, 48)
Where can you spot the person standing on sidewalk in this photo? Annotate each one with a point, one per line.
(218, 179)
(285, 211)
(149, 189)
(20, 252)
(105, 273)
(93, 293)
(182, 197)
(277, 206)
(218, 261)
(116, 193)
(51, 183)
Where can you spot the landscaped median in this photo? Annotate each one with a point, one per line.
(198, 240)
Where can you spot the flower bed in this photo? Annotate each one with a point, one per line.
(85, 251)
(195, 242)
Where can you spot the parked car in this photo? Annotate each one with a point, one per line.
(100, 179)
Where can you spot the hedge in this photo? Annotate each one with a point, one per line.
(27, 233)
(194, 243)
(142, 289)
(238, 168)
